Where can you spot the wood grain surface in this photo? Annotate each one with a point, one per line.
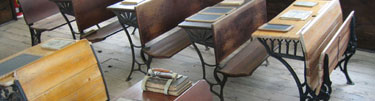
(237, 27)
(70, 73)
(91, 12)
(158, 16)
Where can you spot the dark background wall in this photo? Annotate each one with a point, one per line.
(365, 18)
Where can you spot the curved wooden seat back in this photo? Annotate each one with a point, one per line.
(316, 36)
(71, 73)
(156, 17)
(91, 12)
(35, 10)
(236, 28)
(335, 49)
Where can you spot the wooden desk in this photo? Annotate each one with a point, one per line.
(200, 91)
(69, 73)
(312, 34)
(226, 34)
(154, 18)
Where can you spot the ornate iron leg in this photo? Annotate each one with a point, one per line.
(221, 83)
(290, 69)
(345, 69)
(202, 60)
(132, 46)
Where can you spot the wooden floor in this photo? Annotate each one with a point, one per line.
(273, 82)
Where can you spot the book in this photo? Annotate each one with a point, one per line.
(217, 10)
(296, 15)
(305, 3)
(56, 44)
(204, 17)
(275, 27)
(176, 92)
(232, 2)
(131, 2)
(159, 83)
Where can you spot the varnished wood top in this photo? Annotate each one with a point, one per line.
(293, 34)
(35, 50)
(198, 92)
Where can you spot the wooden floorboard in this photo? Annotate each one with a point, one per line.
(272, 83)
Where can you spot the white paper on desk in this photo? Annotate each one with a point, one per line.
(296, 15)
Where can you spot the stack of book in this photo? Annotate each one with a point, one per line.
(168, 83)
(177, 87)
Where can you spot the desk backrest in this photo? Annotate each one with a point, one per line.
(315, 37)
(159, 16)
(335, 49)
(71, 73)
(91, 12)
(237, 27)
(35, 10)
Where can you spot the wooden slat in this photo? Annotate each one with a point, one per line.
(104, 32)
(159, 16)
(177, 40)
(337, 46)
(54, 69)
(246, 61)
(237, 27)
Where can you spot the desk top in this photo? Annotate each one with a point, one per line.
(125, 7)
(293, 34)
(200, 91)
(208, 25)
(34, 51)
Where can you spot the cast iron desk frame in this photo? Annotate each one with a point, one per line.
(308, 93)
(127, 18)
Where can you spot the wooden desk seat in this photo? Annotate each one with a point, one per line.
(42, 15)
(246, 61)
(104, 32)
(89, 13)
(72, 73)
(333, 53)
(176, 41)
